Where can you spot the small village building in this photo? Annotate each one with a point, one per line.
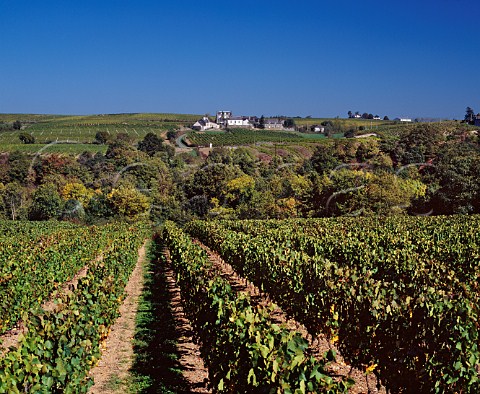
(222, 117)
(239, 121)
(316, 128)
(205, 124)
(405, 120)
(273, 123)
(254, 120)
(477, 120)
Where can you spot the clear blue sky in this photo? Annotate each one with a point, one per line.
(304, 57)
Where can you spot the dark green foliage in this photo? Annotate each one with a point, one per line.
(324, 159)
(46, 203)
(151, 144)
(458, 174)
(211, 179)
(418, 144)
(199, 205)
(469, 115)
(98, 209)
(171, 135)
(102, 137)
(350, 133)
(19, 165)
(261, 123)
(289, 123)
(26, 138)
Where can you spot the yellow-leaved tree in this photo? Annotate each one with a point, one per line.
(77, 191)
(128, 201)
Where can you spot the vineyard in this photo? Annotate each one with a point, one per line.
(75, 134)
(63, 327)
(244, 350)
(241, 137)
(398, 296)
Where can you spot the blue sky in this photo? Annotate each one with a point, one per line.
(321, 58)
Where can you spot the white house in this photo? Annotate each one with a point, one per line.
(205, 124)
(406, 120)
(238, 121)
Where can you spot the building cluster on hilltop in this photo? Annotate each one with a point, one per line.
(226, 119)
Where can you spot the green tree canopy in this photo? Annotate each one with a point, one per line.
(46, 203)
(26, 138)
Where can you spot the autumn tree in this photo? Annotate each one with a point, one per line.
(128, 201)
(78, 192)
(211, 180)
(14, 198)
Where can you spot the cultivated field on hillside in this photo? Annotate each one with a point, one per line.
(81, 130)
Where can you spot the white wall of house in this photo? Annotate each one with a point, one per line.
(211, 125)
(205, 124)
(238, 123)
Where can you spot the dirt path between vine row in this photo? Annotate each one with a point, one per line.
(114, 368)
(364, 384)
(117, 355)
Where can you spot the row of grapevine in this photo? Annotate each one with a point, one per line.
(41, 257)
(445, 243)
(243, 349)
(32, 229)
(402, 302)
(61, 346)
(242, 137)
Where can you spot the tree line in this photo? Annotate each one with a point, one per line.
(426, 169)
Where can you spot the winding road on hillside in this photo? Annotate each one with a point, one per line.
(180, 142)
